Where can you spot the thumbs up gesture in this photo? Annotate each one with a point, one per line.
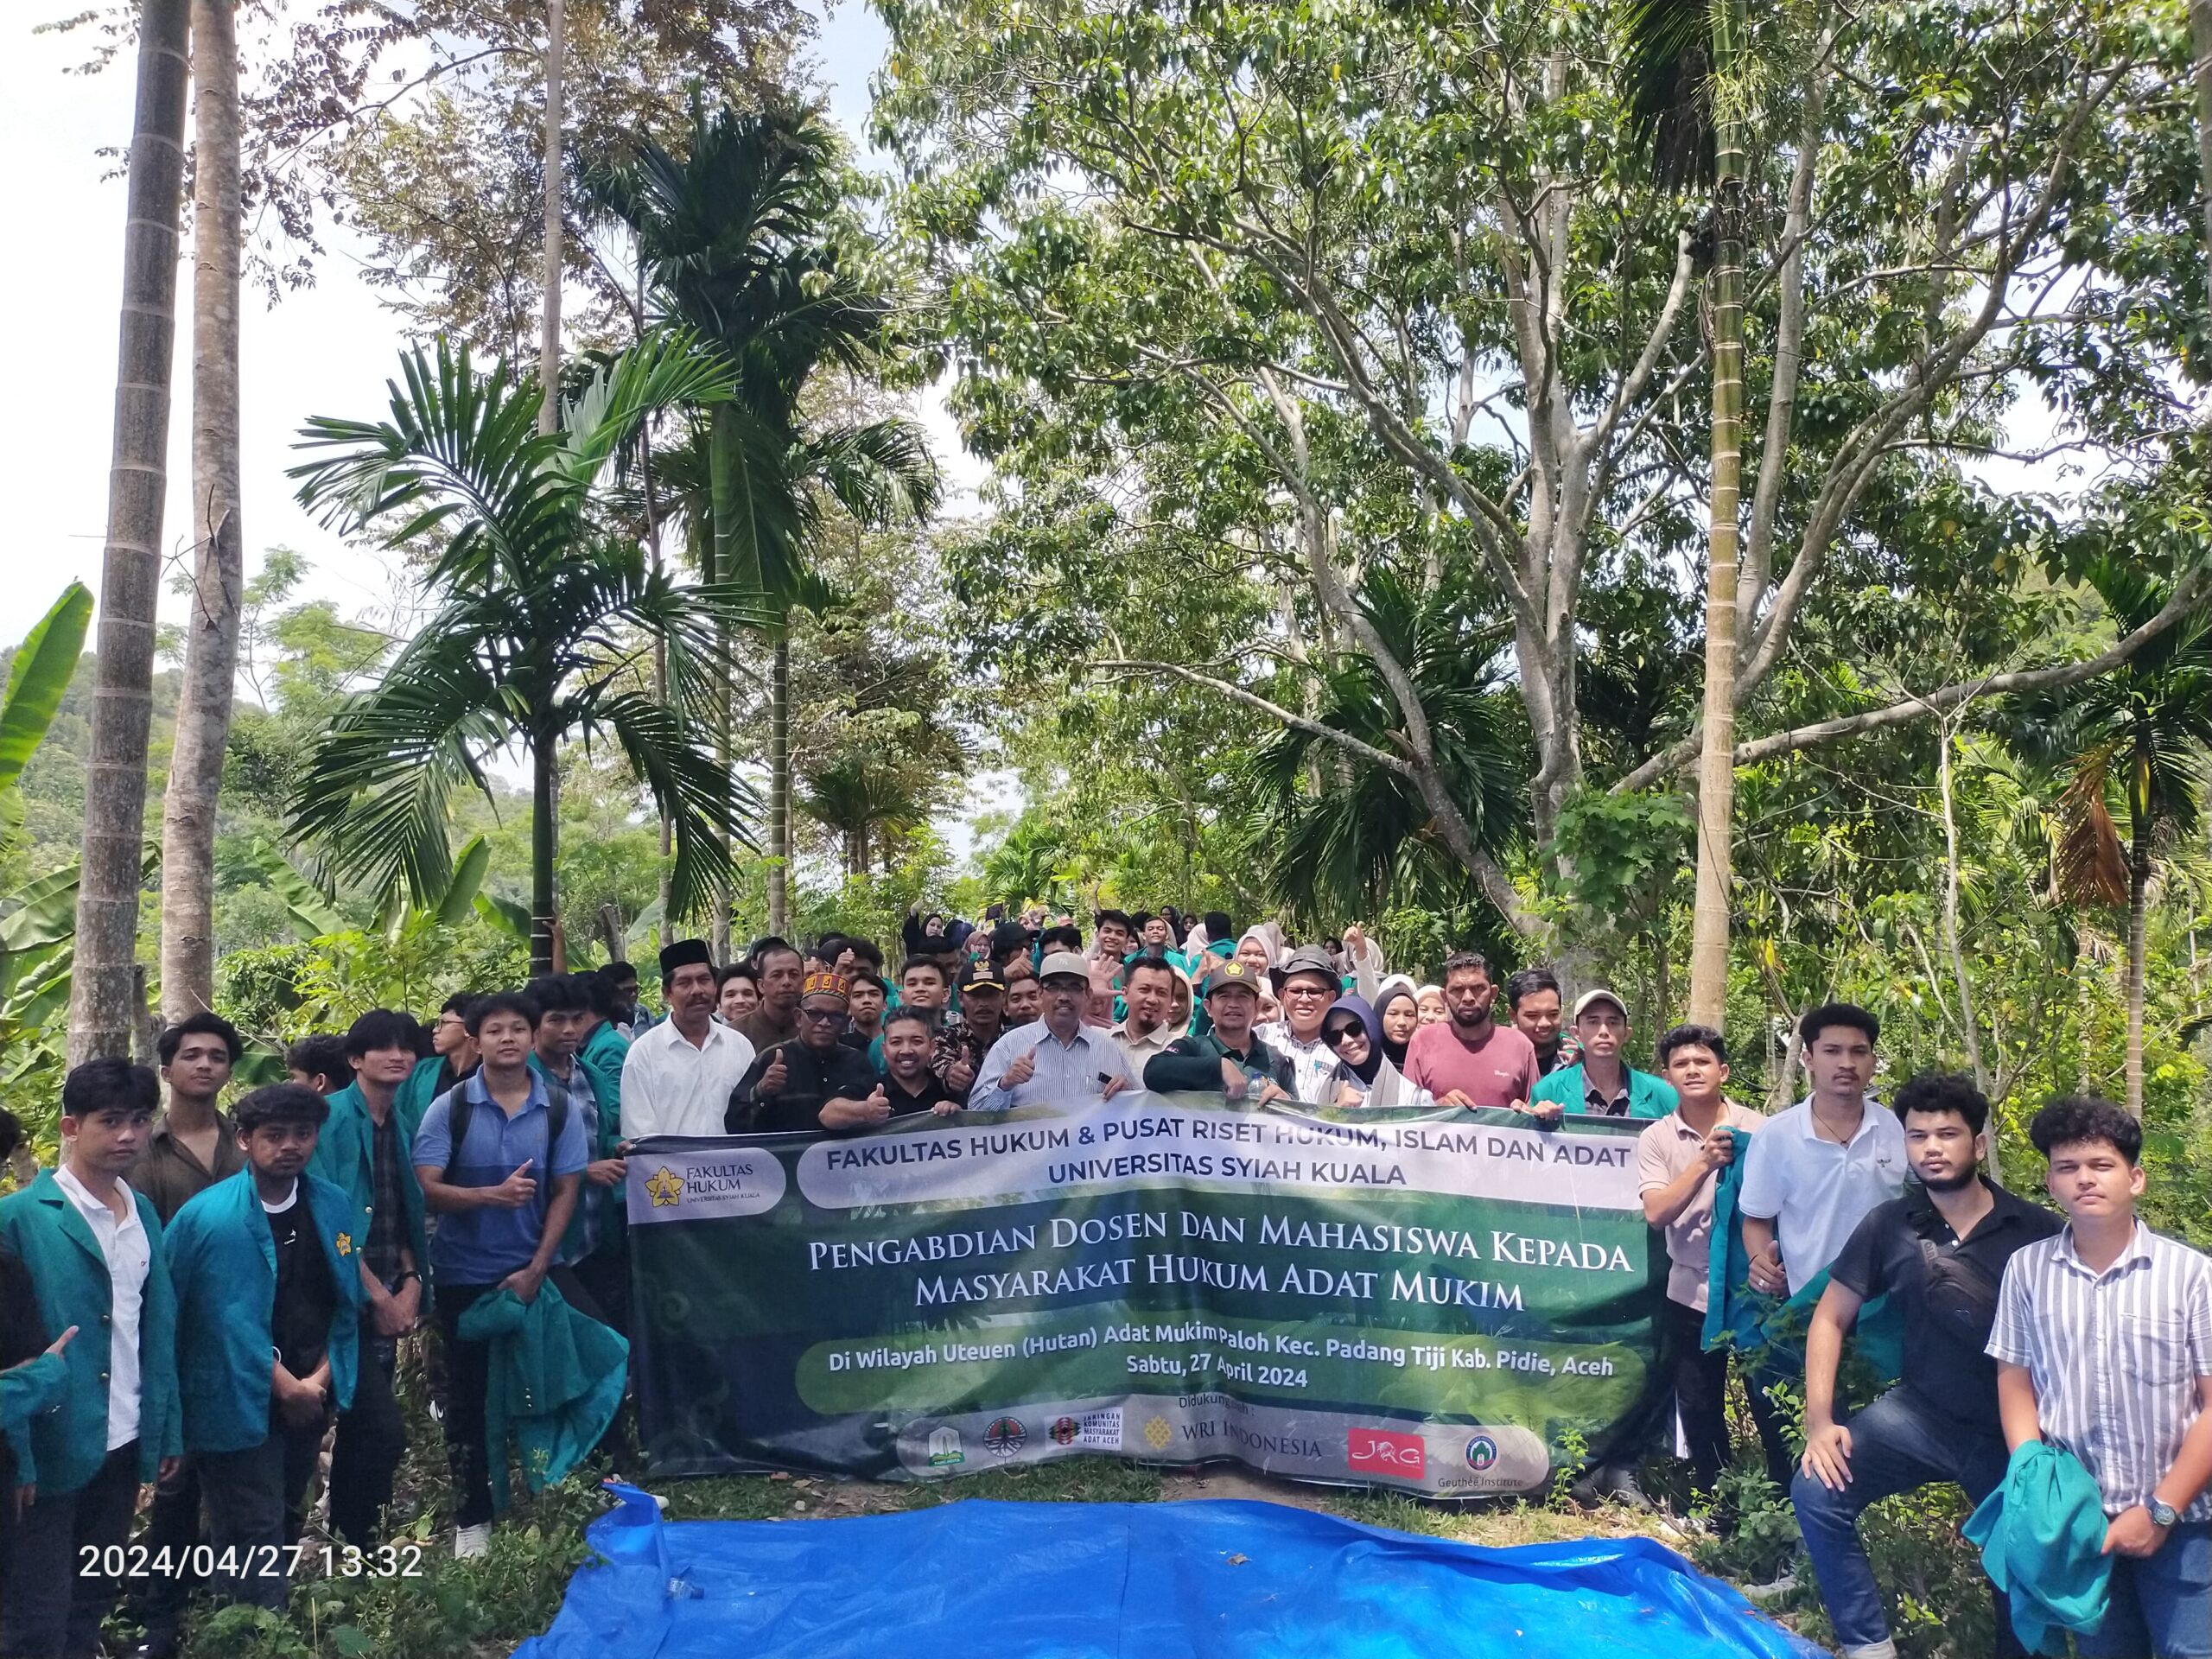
(1023, 1069)
(877, 1106)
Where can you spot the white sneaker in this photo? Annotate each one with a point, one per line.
(473, 1543)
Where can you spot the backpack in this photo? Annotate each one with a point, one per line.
(462, 1108)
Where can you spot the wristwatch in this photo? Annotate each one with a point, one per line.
(2163, 1514)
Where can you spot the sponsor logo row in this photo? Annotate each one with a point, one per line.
(1389, 1452)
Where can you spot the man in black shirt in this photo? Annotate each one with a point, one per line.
(813, 1082)
(1229, 1059)
(911, 1083)
(1940, 1251)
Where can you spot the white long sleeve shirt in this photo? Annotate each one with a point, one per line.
(670, 1087)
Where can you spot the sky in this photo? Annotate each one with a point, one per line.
(325, 350)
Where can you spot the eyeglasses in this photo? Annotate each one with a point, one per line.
(1337, 1038)
(821, 1014)
(1306, 990)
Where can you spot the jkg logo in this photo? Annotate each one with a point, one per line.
(1380, 1452)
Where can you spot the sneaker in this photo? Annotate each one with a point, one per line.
(471, 1543)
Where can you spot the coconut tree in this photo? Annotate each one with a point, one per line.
(203, 713)
(2136, 742)
(741, 240)
(103, 996)
(545, 630)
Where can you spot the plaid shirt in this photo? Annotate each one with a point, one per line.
(387, 1207)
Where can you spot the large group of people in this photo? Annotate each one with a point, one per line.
(196, 1300)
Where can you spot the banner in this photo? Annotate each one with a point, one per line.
(1455, 1303)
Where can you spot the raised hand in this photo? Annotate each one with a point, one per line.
(1023, 1069)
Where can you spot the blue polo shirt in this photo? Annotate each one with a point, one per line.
(481, 1246)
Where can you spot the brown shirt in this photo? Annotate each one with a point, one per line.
(168, 1174)
(761, 1031)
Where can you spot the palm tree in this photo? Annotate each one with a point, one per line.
(2136, 738)
(856, 800)
(739, 239)
(544, 631)
(1684, 63)
(1360, 835)
(103, 999)
(549, 326)
(203, 711)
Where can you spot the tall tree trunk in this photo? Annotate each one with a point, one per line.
(2200, 36)
(544, 829)
(660, 641)
(723, 458)
(203, 711)
(779, 783)
(549, 333)
(1969, 1021)
(100, 998)
(2139, 905)
(1716, 777)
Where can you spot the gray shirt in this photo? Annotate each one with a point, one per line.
(1074, 1071)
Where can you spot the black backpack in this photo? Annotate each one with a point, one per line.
(462, 1108)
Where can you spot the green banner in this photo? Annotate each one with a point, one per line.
(1452, 1303)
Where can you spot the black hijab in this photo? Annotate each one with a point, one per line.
(1396, 1050)
(1347, 1011)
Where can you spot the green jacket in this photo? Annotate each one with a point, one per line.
(1192, 1064)
(602, 1055)
(556, 1382)
(1649, 1095)
(414, 1096)
(2042, 1534)
(345, 1156)
(29, 1388)
(65, 1445)
(224, 1263)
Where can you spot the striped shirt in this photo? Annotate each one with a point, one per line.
(2114, 1355)
(1064, 1071)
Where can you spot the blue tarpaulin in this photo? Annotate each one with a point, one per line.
(991, 1580)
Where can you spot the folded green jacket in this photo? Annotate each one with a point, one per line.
(557, 1380)
(2042, 1534)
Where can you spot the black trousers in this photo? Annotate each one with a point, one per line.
(173, 1524)
(54, 1599)
(467, 1378)
(1697, 1380)
(371, 1440)
(257, 1506)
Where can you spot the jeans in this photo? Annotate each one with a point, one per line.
(1897, 1445)
(2161, 1605)
(371, 1440)
(52, 1602)
(257, 1505)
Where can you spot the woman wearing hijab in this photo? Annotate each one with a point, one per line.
(1363, 1075)
(1429, 999)
(1399, 1015)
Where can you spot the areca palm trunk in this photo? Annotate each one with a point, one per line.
(549, 333)
(2139, 925)
(544, 809)
(100, 999)
(203, 714)
(1716, 784)
(722, 451)
(780, 781)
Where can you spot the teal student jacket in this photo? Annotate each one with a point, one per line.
(345, 1156)
(63, 1445)
(223, 1262)
(1648, 1097)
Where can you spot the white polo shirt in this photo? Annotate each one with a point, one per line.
(1813, 1190)
(130, 1256)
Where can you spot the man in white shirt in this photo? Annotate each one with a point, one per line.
(93, 1248)
(677, 1077)
(1816, 1169)
(1056, 1057)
